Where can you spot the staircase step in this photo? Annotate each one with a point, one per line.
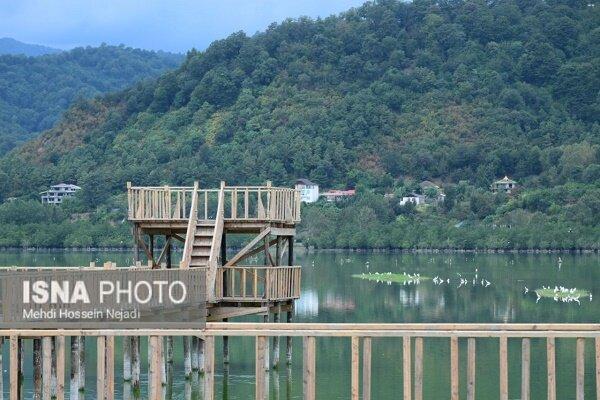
(204, 232)
(203, 241)
(201, 252)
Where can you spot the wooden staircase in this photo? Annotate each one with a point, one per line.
(203, 241)
(202, 244)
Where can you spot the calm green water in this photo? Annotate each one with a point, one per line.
(330, 294)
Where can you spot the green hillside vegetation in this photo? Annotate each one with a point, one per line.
(35, 91)
(380, 98)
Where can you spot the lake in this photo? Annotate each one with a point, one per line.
(466, 288)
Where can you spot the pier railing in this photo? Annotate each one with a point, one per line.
(258, 283)
(241, 203)
(412, 336)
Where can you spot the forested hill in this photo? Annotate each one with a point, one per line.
(380, 97)
(34, 91)
(12, 46)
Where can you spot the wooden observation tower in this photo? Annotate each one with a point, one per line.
(203, 220)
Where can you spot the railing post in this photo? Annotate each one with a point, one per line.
(366, 389)
(261, 379)
(503, 368)
(60, 367)
(209, 367)
(551, 360)
(419, 368)
(580, 369)
(471, 369)
(525, 362)
(355, 347)
(454, 368)
(407, 367)
(309, 368)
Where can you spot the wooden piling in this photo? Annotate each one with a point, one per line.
(37, 369)
(163, 363)
(110, 367)
(195, 353)
(288, 344)
(135, 363)
(187, 357)
(82, 341)
(60, 367)
(126, 345)
(47, 368)
(267, 362)
(276, 316)
(53, 380)
(14, 362)
(74, 383)
(201, 356)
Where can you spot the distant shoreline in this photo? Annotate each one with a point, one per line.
(93, 249)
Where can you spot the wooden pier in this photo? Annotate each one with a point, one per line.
(411, 337)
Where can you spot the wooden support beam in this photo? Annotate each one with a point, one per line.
(354, 367)
(419, 368)
(525, 365)
(471, 365)
(551, 361)
(74, 384)
(249, 246)
(454, 392)
(283, 231)
(309, 368)
(181, 239)
(164, 251)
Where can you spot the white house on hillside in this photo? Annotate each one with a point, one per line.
(309, 191)
(57, 193)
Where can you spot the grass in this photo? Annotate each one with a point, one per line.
(390, 277)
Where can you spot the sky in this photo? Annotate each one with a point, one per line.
(169, 25)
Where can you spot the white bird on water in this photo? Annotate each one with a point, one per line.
(526, 290)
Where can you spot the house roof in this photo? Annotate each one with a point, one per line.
(65, 185)
(506, 179)
(335, 192)
(304, 181)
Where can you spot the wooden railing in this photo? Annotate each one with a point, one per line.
(191, 230)
(159, 203)
(258, 283)
(414, 338)
(241, 203)
(215, 249)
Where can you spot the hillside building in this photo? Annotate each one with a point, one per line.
(309, 191)
(337, 195)
(505, 185)
(57, 193)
